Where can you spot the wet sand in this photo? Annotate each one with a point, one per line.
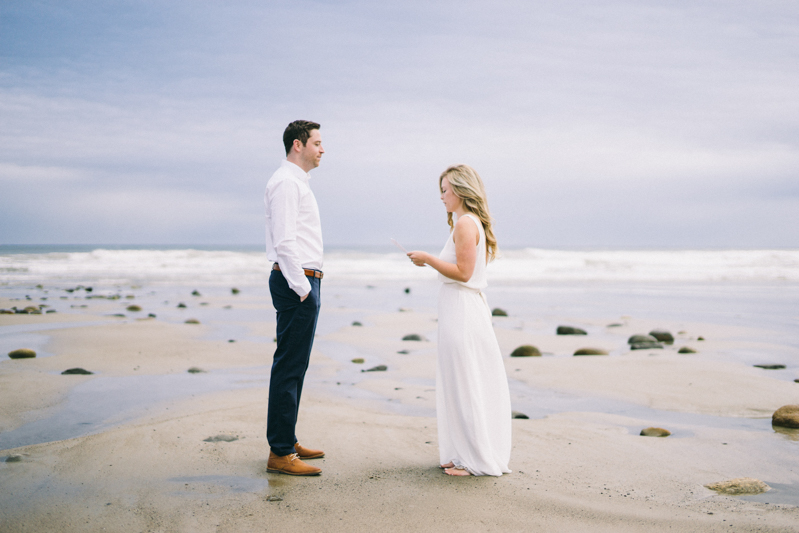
(124, 449)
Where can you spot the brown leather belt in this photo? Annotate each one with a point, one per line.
(308, 272)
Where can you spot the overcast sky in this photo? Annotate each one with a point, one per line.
(593, 123)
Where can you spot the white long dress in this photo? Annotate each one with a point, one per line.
(472, 397)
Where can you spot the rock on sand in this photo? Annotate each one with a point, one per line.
(741, 485)
(590, 351)
(519, 415)
(192, 321)
(76, 372)
(686, 349)
(526, 350)
(568, 330)
(413, 337)
(498, 312)
(655, 432)
(22, 353)
(378, 368)
(786, 416)
(662, 335)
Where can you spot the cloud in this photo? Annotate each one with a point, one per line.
(599, 121)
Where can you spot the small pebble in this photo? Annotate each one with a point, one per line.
(221, 438)
(378, 368)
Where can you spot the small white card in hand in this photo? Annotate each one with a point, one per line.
(398, 245)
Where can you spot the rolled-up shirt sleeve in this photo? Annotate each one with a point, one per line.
(284, 206)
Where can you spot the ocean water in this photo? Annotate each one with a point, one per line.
(107, 266)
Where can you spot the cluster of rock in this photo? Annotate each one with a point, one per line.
(29, 310)
(656, 339)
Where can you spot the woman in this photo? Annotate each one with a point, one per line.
(472, 398)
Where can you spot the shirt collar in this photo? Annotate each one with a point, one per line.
(296, 171)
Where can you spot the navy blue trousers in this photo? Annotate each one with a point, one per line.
(296, 326)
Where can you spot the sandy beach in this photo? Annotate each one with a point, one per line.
(144, 445)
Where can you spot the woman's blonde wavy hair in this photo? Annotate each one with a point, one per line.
(467, 185)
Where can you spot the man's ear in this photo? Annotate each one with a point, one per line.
(297, 145)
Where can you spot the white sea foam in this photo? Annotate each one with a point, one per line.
(527, 265)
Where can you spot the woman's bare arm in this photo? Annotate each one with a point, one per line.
(466, 237)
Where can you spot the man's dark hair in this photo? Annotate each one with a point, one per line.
(299, 129)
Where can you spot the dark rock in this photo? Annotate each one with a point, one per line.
(50, 311)
(741, 485)
(356, 323)
(118, 315)
(770, 367)
(76, 371)
(181, 305)
(234, 290)
(655, 432)
(378, 368)
(498, 312)
(568, 330)
(151, 315)
(796, 380)
(614, 325)
(407, 290)
(88, 289)
(404, 352)
(31, 310)
(221, 438)
(635, 339)
(231, 340)
(591, 351)
(519, 415)
(662, 336)
(192, 321)
(526, 350)
(646, 346)
(686, 349)
(133, 308)
(14, 458)
(786, 416)
(195, 293)
(358, 360)
(413, 337)
(700, 338)
(22, 353)
(196, 370)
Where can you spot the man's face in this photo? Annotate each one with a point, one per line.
(311, 153)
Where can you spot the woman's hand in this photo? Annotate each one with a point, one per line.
(419, 259)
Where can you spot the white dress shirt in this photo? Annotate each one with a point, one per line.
(293, 229)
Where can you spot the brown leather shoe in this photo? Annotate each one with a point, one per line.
(290, 464)
(307, 453)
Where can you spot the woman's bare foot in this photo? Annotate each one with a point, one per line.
(448, 465)
(457, 471)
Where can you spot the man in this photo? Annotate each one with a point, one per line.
(294, 245)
